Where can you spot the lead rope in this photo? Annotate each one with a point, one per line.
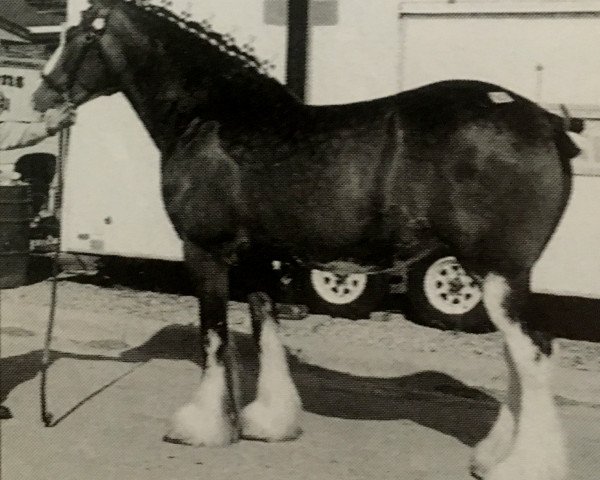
(63, 145)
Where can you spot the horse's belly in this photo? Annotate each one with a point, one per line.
(322, 223)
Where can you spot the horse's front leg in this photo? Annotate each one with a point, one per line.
(211, 417)
(275, 413)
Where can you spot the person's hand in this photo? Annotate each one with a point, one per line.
(57, 119)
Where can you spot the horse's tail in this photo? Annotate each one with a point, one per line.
(561, 125)
(571, 124)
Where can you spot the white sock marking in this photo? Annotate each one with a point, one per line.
(203, 421)
(275, 414)
(538, 451)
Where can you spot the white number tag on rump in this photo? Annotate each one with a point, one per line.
(500, 97)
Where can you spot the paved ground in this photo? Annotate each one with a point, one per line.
(383, 398)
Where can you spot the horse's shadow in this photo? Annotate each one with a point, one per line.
(18, 369)
(432, 399)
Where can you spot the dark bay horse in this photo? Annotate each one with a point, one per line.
(247, 168)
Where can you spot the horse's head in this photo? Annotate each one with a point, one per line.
(89, 62)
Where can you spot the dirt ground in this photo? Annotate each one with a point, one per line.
(383, 398)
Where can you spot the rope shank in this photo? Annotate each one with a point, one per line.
(47, 417)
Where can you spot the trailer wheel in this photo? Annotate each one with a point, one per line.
(352, 296)
(443, 295)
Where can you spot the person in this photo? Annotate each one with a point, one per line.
(15, 134)
(20, 134)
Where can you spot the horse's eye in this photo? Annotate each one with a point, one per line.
(90, 37)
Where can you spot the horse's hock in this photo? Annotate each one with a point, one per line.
(15, 217)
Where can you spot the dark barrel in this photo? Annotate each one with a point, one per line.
(15, 218)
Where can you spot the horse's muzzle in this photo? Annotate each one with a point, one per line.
(45, 98)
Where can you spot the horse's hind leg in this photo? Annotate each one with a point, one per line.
(527, 436)
(211, 417)
(275, 413)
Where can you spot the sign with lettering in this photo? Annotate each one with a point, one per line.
(17, 81)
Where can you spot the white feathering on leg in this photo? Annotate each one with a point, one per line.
(203, 421)
(538, 451)
(275, 413)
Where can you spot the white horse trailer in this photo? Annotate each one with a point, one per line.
(543, 50)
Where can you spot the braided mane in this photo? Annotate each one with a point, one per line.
(191, 71)
(243, 57)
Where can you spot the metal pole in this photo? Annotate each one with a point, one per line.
(297, 47)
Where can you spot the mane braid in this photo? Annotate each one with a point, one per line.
(201, 30)
(203, 60)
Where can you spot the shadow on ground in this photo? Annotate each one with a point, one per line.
(432, 399)
(19, 369)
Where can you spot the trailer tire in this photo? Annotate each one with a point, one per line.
(352, 296)
(442, 295)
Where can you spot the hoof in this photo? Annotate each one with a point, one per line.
(519, 467)
(486, 454)
(268, 424)
(495, 447)
(191, 426)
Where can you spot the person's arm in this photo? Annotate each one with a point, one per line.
(17, 134)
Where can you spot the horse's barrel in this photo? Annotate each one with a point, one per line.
(15, 218)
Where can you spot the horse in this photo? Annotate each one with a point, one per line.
(246, 167)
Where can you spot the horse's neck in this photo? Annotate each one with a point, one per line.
(164, 107)
(167, 102)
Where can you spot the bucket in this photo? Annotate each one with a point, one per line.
(15, 218)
